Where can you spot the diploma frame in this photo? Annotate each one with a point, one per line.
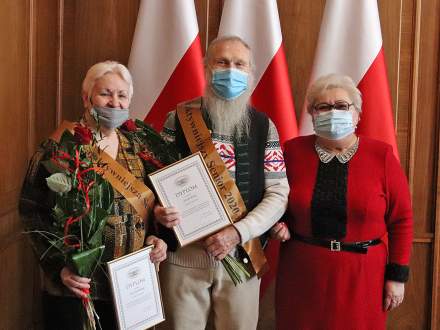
(135, 288)
(205, 209)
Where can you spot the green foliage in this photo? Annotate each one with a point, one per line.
(101, 195)
(67, 142)
(82, 246)
(146, 136)
(97, 221)
(86, 262)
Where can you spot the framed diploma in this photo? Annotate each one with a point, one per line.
(136, 291)
(188, 186)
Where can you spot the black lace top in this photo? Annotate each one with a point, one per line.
(329, 202)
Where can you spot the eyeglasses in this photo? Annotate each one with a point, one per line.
(338, 105)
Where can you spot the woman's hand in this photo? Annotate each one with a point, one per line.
(280, 232)
(159, 252)
(393, 295)
(74, 282)
(167, 216)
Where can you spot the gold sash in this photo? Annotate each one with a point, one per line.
(133, 190)
(199, 139)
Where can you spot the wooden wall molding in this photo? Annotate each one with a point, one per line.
(31, 91)
(60, 55)
(435, 304)
(435, 298)
(414, 103)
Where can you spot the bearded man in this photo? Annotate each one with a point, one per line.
(195, 286)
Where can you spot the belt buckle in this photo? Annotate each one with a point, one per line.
(335, 246)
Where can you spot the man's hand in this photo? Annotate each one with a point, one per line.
(74, 282)
(221, 243)
(159, 252)
(393, 295)
(280, 232)
(167, 216)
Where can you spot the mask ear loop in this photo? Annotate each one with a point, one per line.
(92, 111)
(94, 115)
(358, 119)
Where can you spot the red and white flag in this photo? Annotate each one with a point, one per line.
(350, 43)
(258, 24)
(165, 60)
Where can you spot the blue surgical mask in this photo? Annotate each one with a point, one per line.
(110, 117)
(230, 83)
(334, 124)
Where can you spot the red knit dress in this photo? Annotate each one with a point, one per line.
(321, 289)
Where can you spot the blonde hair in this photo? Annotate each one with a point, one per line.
(100, 69)
(332, 81)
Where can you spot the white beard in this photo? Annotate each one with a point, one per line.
(228, 116)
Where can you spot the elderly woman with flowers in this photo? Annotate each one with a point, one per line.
(76, 218)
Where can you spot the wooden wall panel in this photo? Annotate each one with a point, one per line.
(18, 295)
(45, 69)
(415, 312)
(425, 115)
(392, 24)
(300, 23)
(94, 31)
(390, 28)
(14, 89)
(404, 82)
(208, 18)
(14, 118)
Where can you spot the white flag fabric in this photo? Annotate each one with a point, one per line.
(350, 43)
(165, 59)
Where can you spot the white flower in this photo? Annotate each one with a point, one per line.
(59, 182)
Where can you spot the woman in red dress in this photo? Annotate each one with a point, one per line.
(348, 237)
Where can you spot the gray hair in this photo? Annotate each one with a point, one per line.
(100, 69)
(222, 39)
(332, 81)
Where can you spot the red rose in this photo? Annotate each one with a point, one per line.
(82, 135)
(129, 125)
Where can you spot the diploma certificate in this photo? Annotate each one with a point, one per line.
(136, 291)
(187, 185)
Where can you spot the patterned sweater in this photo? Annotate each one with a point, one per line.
(259, 219)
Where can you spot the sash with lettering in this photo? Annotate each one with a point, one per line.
(134, 191)
(198, 138)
